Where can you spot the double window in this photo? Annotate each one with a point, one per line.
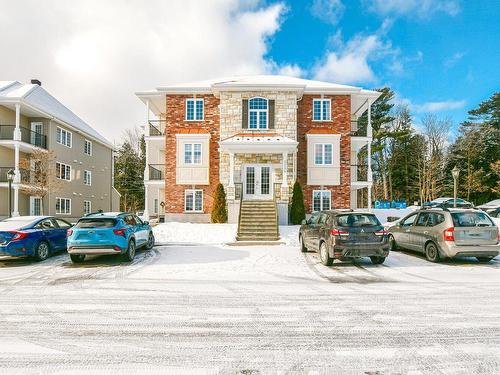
(192, 153)
(194, 109)
(322, 110)
(87, 207)
(87, 178)
(63, 171)
(87, 148)
(63, 137)
(63, 206)
(322, 200)
(193, 200)
(258, 113)
(323, 154)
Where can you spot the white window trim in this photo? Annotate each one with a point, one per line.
(192, 153)
(89, 173)
(70, 136)
(322, 153)
(90, 207)
(321, 200)
(193, 191)
(195, 111)
(63, 213)
(258, 114)
(91, 147)
(66, 165)
(321, 100)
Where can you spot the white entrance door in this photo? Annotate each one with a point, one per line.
(257, 182)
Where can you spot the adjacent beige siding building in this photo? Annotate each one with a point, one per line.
(33, 121)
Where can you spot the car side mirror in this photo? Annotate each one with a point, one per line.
(304, 222)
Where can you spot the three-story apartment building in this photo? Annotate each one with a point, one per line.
(256, 135)
(32, 121)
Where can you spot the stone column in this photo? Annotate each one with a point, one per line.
(231, 193)
(284, 183)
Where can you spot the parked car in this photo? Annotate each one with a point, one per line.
(447, 233)
(36, 236)
(109, 233)
(447, 202)
(344, 235)
(491, 208)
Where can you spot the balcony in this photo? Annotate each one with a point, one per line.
(356, 131)
(25, 174)
(157, 128)
(359, 173)
(27, 136)
(156, 172)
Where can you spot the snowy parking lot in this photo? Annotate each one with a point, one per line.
(248, 310)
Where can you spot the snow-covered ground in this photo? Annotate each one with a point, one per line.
(210, 309)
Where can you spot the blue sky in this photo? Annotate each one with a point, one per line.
(439, 56)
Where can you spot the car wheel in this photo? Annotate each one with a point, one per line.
(484, 259)
(432, 252)
(325, 257)
(130, 253)
(151, 241)
(377, 260)
(392, 243)
(303, 247)
(77, 258)
(42, 251)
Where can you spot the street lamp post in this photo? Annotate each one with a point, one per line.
(10, 178)
(455, 172)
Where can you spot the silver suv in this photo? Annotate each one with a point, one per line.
(447, 233)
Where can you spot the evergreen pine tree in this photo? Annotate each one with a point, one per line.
(219, 212)
(297, 209)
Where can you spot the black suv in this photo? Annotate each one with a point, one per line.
(344, 235)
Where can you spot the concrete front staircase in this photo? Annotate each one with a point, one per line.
(258, 221)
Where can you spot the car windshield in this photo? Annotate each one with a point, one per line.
(96, 223)
(496, 202)
(471, 219)
(357, 220)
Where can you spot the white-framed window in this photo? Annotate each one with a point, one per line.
(322, 200)
(194, 109)
(63, 137)
(35, 206)
(192, 153)
(155, 206)
(193, 200)
(87, 178)
(63, 206)
(323, 154)
(63, 171)
(87, 207)
(322, 109)
(258, 113)
(87, 148)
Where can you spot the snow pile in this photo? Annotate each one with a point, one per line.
(194, 233)
(290, 234)
(383, 213)
(496, 220)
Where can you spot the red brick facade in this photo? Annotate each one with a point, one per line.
(340, 124)
(176, 123)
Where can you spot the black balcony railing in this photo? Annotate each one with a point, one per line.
(27, 136)
(157, 127)
(156, 171)
(359, 172)
(25, 174)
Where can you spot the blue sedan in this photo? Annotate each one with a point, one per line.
(36, 236)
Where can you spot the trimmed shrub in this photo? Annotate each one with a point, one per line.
(219, 211)
(297, 209)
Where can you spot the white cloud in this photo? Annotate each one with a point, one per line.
(454, 59)
(93, 55)
(292, 70)
(421, 8)
(350, 62)
(329, 11)
(439, 106)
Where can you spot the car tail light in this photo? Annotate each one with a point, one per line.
(116, 248)
(69, 232)
(336, 232)
(119, 232)
(449, 234)
(382, 232)
(18, 235)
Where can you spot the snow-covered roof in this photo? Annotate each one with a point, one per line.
(39, 99)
